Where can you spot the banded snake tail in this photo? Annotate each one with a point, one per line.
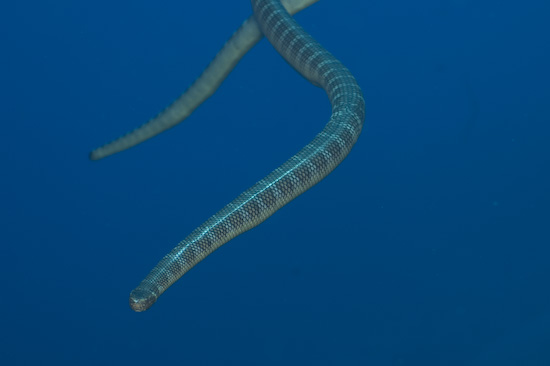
(205, 85)
(310, 165)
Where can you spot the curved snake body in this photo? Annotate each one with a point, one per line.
(311, 164)
(205, 85)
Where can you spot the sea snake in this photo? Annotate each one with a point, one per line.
(207, 83)
(311, 164)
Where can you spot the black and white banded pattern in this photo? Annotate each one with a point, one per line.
(203, 87)
(311, 164)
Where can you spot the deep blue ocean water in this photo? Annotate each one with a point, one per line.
(429, 245)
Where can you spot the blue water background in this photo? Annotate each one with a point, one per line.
(429, 245)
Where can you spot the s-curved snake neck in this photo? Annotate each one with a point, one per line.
(310, 165)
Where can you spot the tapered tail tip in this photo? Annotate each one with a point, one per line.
(95, 155)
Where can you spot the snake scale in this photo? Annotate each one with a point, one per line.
(299, 173)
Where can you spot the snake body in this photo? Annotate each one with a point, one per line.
(311, 164)
(205, 85)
